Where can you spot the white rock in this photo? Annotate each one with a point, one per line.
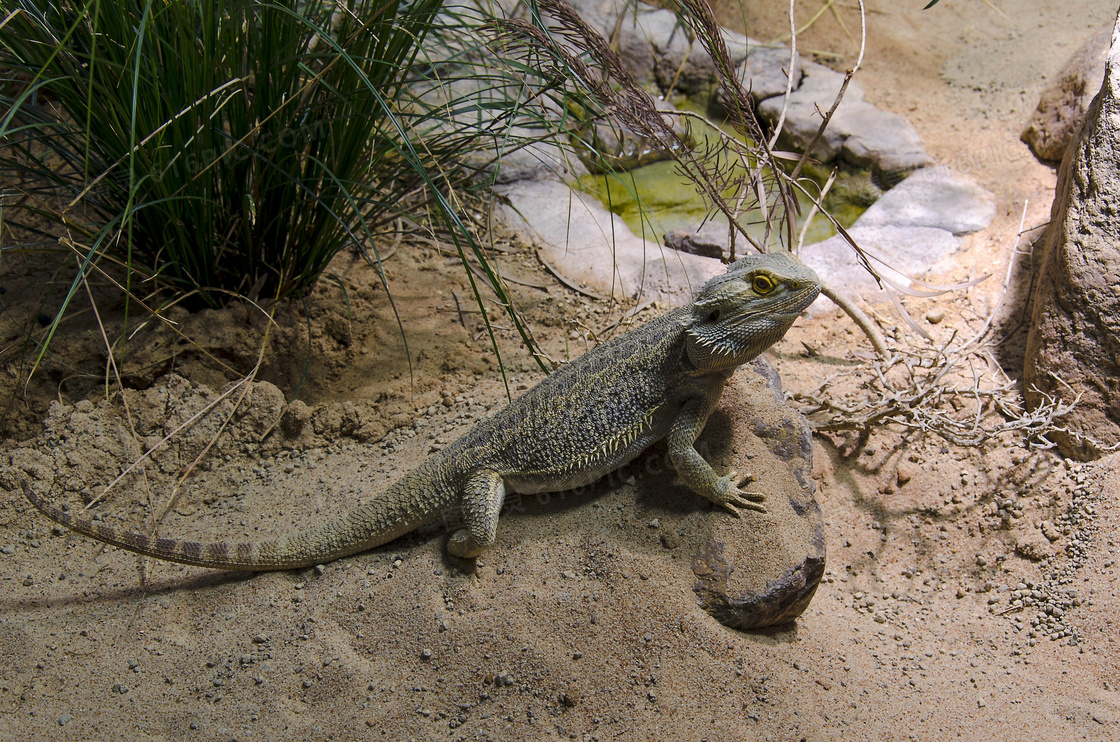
(933, 197)
(897, 253)
(594, 248)
(864, 135)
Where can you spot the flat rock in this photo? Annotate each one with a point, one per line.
(594, 249)
(762, 570)
(933, 197)
(763, 74)
(879, 140)
(655, 47)
(815, 94)
(765, 70)
(897, 253)
(862, 134)
(910, 228)
(709, 240)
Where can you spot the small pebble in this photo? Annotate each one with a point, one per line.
(670, 539)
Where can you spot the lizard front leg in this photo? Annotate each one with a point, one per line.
(697, 473)
(482, 499)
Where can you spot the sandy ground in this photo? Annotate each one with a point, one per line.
(970, 593)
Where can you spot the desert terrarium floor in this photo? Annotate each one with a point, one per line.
(970, 592)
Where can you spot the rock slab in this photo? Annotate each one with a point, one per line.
(1073, 347)
(762, 570)
(933, 197)
(910, 230)
(595, 250)
(896, 253)
(859, 133)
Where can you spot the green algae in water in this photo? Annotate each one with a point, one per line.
(652, 200)
(655, 199)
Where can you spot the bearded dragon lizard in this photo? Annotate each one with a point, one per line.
(591, 416)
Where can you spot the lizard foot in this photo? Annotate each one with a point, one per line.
(463, 545)
(735, 498)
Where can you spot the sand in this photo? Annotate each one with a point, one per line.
(945, 583)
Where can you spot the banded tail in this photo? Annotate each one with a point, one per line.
(354, 532)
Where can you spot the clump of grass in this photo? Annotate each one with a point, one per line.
(219, 147)
(208, 151)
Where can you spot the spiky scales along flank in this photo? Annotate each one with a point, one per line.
(593, 415)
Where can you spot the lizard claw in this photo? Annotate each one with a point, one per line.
(463, 545)
(736, 498)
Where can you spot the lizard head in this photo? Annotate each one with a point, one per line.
(738, 315)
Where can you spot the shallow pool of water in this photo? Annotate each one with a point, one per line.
(655, 199)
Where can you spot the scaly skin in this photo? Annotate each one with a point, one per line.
(590, 417)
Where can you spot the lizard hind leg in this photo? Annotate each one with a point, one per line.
(482, 500)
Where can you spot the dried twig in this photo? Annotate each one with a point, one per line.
(957, 391)
(931, 393)
(861, 319)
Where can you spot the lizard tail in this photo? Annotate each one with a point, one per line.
(372, 523)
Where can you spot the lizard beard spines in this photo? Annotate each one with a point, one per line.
(741, 313)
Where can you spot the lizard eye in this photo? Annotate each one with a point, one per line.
(763, 284)
(714, 316)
